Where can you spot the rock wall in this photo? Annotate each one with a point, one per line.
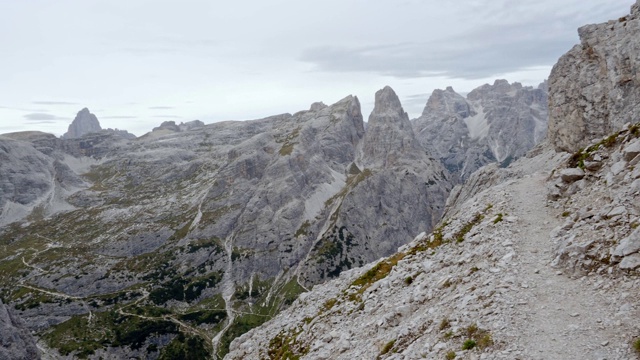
(494, 123)
(16, 343)
(84, 123)
(595, 87)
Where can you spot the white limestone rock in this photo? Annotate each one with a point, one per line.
(571, 175)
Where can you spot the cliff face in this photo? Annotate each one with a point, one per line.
(595, 87)
(84, 123)
(527, 259)
(231, 220)
(16, 342)
(494, 123)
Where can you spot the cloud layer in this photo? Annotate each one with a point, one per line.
(520, 36)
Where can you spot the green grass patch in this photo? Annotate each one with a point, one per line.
(241, 324)
(285, 346)
(187, 348)
(468, 344)
(377, 272)
(387, 347)
(460, 234)
(302, 231)
(498, 218)
(82, 337)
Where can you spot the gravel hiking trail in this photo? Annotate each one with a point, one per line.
(557, 317)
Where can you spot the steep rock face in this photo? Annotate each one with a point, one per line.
(16, 342)
(84, 123)
(389, 138)
(392, 191)
(31, 182)
(595, 87)
(478, 287)
(498, 122)
(598, 191)
(448, 109)
(554, 266)
(216, 228)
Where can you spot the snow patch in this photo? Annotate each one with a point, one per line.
(315, 203)
(81, 165)
(540, 125)
(478, 125)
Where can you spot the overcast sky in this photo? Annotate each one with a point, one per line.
(137, 63)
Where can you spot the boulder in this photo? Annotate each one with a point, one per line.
(571, 175)
(628, 245)
(632, 150)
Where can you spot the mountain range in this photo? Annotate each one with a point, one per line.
(175, 243)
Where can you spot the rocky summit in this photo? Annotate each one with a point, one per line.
(594, 87)
(462, 234)
(538, 260)
(494, 123)
(84, 123)
(192, 234)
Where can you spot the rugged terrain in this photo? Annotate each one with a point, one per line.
(176, 243)
(494, 123)
(536, 261)
(16, 342)
(600, 83)
(192, 234)
(488, 277)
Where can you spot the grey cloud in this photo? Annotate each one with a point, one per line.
(486, 52)
(167, 116)
(36, 122)
(415, 103)
(119, 117)
(36, 117)
(53, 103)
(161, 107)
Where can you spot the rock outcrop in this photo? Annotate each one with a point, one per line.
(232, 220)
(84, 123)
(595, 87)
(172, 126)
(515, 269)
(32, 183)
(598, 190)
(16, 342)
(478, 287)
(390, 175)
(494, 123)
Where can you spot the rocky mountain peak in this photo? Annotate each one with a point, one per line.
(594, 88)
(84, 123)
(387, 105)
(498, 122)
(447, 101)
(317, 106)
(389, 133)
(499, 87)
